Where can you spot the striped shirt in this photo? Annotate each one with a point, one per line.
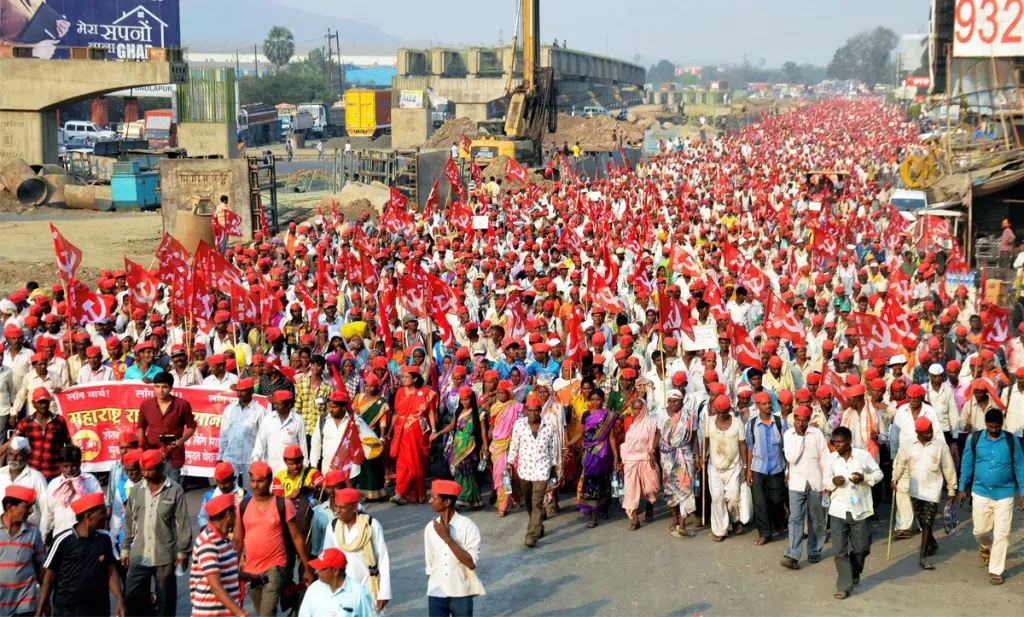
(213, 553)
(19, 554)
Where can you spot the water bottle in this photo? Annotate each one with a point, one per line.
(506, 480)
(615, 484)
(826, 501)
(179, 570)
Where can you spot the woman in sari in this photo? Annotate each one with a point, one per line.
(640, 464)
(350, 377)
(373, 409)
(448, 405)
(520, 387)
(554, 412)
(503, 414)
(678, 429)
(468, 444)
(414, 406)
(600, 456)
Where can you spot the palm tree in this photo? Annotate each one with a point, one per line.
(279, 46)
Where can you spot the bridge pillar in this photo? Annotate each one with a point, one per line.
(31, 135)
(101, 111)
(131, 109)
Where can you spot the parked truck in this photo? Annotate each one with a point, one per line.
(367, 112)
(298, 121)
(328, 121)
(161, 131)
(258, 124)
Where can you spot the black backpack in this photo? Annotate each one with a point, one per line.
(974, 449)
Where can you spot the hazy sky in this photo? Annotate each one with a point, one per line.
(683, 31)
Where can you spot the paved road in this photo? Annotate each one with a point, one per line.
(284, 167)
(612, 571)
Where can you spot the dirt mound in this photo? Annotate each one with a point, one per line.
(592, 133)
(450, 132)
(497, 170)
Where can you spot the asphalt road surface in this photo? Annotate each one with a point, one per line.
(609, 570)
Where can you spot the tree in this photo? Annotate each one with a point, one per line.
(866, 57)
(279, 46)
(792, 72)
(661, 72)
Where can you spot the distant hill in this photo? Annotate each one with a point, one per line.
(249, 21)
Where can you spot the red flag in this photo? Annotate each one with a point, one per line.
(432, 202)
(461, 217)
(713, 294)
(264, 226)
(902, 324)
(232, 226)
(466, 143)
(388, 311)
(69, 256)
(476, 173)
(644, 282)
(601, 292)
(169, 248)
(413, 290)
(215, 268)
(779, 320)
(673, 316)
(683, 261)
(573, 240)
(756, 282)
(451, 171)
(371, 278)
(984, 283)
(514, 172)
(938, 226)
(743, 348)
(243, 308)
(398, 200)
(84, 306)
(875, 337)
(334, 211)
(303, 294)
(349, 452)
(515, 327)
(574, 337)
(831, 380)
(178, 278)
(732, 257)
(202, 301)
(996, 329)
(141, 286)
(550, 168)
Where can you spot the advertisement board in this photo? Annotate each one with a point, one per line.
(988, 28)
(97, 414)
(125, 27)
(919, 81)
(410, 99)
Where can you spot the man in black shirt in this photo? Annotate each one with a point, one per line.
(80, 564)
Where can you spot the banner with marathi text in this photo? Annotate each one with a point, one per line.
(97, 413)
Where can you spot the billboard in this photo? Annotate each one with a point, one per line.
(124, 27)
(986, 28)
(919, 81)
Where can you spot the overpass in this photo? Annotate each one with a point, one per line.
(32, 89)
(474, 79)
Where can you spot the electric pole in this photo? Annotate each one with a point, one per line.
(256, 59)
(341, 64)
(330, 71)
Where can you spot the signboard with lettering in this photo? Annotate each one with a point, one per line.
(410, 99)
(919, 81)
(97, 413)
(704, 337)
(124, 27)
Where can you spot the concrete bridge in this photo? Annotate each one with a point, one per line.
(475, 78)
(32, 89)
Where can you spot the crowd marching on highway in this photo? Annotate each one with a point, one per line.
(743, 327)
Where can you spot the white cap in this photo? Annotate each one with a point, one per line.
(675, 394)
(936, 369)
(897, 359)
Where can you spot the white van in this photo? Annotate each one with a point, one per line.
(80, 128)
(594, 111)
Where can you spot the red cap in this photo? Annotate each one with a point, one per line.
(446, 487)
(127, 437)
(40, 394)
(283, 395)
(346, 495)
(245, 383)
(218, 504)
(915, 390)
(922, 423)
(131, 457)
(852, 391)
(784, 396)
(87, 502)
(802, 411)
(151, 458)
(330, 558)
(21, 493)
(223, 471)
(259, 469)
(762, 397)
(292, 450)
(722, 402)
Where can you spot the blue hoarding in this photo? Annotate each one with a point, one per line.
(125, 27)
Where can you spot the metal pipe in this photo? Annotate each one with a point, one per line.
(28, 188)
(94, 197)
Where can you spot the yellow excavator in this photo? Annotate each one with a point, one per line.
(532, 109)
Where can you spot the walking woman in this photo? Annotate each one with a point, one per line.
(678, 428)
(414, 405)
(502, 416)
(374, 410)
(640, 464)
(600, 456)
(468, 444)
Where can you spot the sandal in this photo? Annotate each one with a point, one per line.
(398, 501)
(841, 595)
(995, 579)
(717, 538)
(901, 534)
(760, 541)
(591, 524)
(634, 525)
(926, 565)
(501, 514)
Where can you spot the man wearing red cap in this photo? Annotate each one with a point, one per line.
(94, 370)
(226, 484)
(452, 548)
(38, 377)
(766, 468)
(806, 452)
(215, 589)
(239, 425)
(219, 378)
(336, 592)
(21, 552)
(47, 433)
(165, 423)
(726, 460)
(922, 464)
(144, 369)
(361, 538)
(278, 430)
(17, 472)
(16, 357)
(157, 537)
(81, 564)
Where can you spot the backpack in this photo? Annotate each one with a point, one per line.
(974, 448)
(753, 433)
(289, 546)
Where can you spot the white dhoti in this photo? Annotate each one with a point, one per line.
(725, 498)
(904, 509)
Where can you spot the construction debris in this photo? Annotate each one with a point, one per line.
(450, 132)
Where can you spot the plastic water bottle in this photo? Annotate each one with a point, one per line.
(826, 501)
(506, 480)
(615, 484)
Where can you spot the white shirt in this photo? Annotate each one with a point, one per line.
(326, 445)
(274, 435)
(190, 377)
(87, 375)
(224, 383)
(534, 456)
(239, 427)
(1014, 419)
(850, 498)
(20, 364)
(59, 516)
(357, 567)
(7, 391)
(806, 455)
(446, 576)
(944, 405)
(32, 479)
(926, 465)
(903, 424)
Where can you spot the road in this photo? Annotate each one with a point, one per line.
(612, 571)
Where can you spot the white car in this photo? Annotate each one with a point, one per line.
(81, 128)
